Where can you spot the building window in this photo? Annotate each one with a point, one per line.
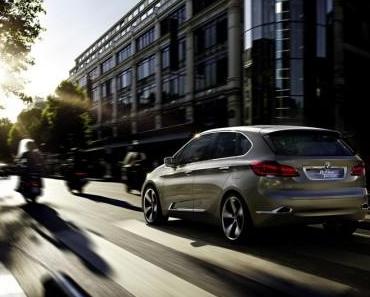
(124, 54)
(124, 104)
(94, 73)
(106, 89)
(182, 50)
(212, 73)
(146, 68)
(82, 81)
(166, 58)
(212, 34)
(146, 39)
(173, 87)
(180, 15)
(175, 19)
(146, 97)
(178, 56)
(95, 96)
(108, 65)
(124, 79)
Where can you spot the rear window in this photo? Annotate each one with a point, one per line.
(308, 143)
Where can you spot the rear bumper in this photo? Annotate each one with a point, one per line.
(310, 207)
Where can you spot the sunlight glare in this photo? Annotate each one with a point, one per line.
(11, 107)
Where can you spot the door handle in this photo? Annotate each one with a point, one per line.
(188, 172)
(224, 168)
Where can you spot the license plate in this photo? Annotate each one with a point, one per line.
(325, 173)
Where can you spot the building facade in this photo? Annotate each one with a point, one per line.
(171, 68)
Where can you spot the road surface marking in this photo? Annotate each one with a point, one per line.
(276, 276)
(138, 276)
(9, 285)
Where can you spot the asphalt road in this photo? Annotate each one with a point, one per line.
(98, 242)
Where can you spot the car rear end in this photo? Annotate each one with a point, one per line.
(314, 177)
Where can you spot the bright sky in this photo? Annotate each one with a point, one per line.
(71, 26)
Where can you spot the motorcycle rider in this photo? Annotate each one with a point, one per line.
(75, 170)
(30, 161)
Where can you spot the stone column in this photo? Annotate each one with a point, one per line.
(114, 106)
(100, 105)
(114, 99)
(189, 9)
(158, 90)
(133, 98)
(234, 61)
(189, 87)
(133, 89)
(99, 112)
(157, 30)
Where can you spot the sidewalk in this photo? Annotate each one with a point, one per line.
(9, 286)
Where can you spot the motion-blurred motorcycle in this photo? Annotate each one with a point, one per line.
(75, 171)
(31, 186)
(76, 180)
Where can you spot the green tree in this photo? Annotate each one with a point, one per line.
(68, 118)
(30, 124)
(5, 152)
(14, 137)
(19, 29)
(70, 90)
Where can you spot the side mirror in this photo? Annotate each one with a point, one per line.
(170, 162)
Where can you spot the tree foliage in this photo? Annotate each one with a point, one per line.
(19, 28)
(67, 117)
(5, 127)
(30, 124)
(61, 123)
(68, 123)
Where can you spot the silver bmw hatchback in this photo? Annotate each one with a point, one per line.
(243, 178)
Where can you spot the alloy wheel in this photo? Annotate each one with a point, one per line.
(233, 218)
(150, 206)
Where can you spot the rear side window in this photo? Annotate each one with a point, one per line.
(308, 143)
(230, 144)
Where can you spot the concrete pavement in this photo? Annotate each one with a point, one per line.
(100, 240)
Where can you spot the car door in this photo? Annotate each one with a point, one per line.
(178, 181)
(211, 175)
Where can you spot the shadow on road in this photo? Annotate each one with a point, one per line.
(111, 201)
(66, 236)
(304, 248)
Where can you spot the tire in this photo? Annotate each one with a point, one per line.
(341, 228)
(152, 208)
(235, 219)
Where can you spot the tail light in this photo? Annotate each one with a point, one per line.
(273, 168)
(35, 184)
(358, 170)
